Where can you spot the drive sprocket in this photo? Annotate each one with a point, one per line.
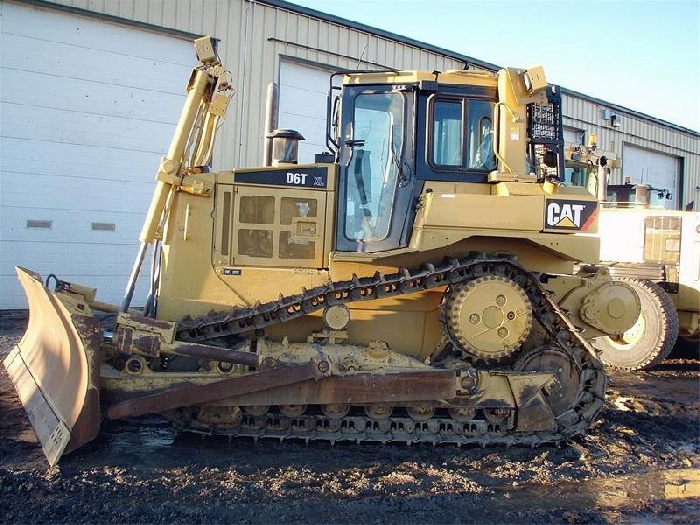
(489, 317)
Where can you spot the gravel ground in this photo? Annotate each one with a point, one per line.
(638, 464)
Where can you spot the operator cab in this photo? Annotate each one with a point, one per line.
(391, 137)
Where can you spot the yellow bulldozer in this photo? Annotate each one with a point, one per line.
(415, 284)
(654, 250)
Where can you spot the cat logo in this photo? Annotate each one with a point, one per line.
(570, 215)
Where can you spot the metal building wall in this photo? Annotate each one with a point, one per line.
(587, 115)
(252, 37)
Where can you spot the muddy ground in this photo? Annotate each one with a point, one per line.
(639, 464)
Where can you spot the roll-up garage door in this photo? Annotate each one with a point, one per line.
(87, 109)
(659, 170)
(302, 105)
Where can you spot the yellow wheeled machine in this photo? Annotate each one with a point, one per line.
(414, 284)
(654, 250)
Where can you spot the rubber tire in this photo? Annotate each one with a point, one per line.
(659, 338)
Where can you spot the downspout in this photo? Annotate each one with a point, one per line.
(243, 83)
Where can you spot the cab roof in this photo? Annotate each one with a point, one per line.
(454, 77)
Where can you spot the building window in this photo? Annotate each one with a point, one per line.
(574, 135)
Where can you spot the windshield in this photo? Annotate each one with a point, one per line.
(376, 140)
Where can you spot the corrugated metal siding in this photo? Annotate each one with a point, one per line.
(587, 115)
(253, 37)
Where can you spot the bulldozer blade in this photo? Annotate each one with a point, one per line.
(55, 369)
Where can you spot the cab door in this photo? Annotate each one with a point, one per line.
(376, 173)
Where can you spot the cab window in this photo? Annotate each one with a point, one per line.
(448, 143)
(461, 135)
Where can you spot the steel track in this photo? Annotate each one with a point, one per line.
(561, 333)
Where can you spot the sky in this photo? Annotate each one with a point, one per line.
(640, 54)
